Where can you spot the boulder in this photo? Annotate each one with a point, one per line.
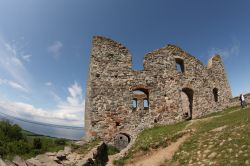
(67, 150)
(19, 161)
(61, 155)
(88, 162)
(2, 163)
(33, 162)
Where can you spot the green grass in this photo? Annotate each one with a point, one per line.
(220, 138)
(156, 136)
(112, 150)
(230, 146)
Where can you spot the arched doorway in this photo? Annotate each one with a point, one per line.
(187, 103)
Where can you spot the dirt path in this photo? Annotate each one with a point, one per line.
(159, 156)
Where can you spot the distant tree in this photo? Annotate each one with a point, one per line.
(9, 132)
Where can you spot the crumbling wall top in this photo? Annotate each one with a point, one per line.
(171, 50)
(104, 42)
(213, 60)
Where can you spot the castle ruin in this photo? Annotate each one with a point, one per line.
(173, 86)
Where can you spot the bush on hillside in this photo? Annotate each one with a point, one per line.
(60, 141)
(37, 143)
(14, 142)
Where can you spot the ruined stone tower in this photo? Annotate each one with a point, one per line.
(172, 87)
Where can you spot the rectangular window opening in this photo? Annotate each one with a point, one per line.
(145, 103)
(134, 103)
(179, 65)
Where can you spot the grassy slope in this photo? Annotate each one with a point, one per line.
(220, 138)
(155, 137)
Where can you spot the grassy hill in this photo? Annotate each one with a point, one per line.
(221, 138)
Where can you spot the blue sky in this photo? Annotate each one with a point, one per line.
(45, 46)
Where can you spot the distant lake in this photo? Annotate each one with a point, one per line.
(73, 133)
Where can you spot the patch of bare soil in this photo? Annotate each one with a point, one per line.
(158, 156)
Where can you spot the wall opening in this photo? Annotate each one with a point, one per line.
(145, 104)
(117, 124)
(215, 93)
(187, 103)
(140, 99)
(179, 64)
(134, 103)
(121, 140)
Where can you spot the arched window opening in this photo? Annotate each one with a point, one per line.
(215, 92)
(179, 64)
(140, 99)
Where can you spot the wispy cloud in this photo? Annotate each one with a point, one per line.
(26, 57)
(11, 64)
(68, 112)
(232, 50)
(56, 97)
(55, 49)
(13, 84)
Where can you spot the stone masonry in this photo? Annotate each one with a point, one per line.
(172, 87)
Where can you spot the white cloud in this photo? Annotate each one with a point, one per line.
(48, 83)
(13, 84)
(26, 57)
(55, 48)
(227, 52)
(12, 65)
(75, 97)
(69, 112)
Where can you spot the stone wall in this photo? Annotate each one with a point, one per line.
(174, 85)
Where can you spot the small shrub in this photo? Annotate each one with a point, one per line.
(37, 143)
(144, 147)
(112, 150)
(60, 141)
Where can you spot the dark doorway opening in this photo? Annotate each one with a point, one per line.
(187, 103)
(179, 65)
(215, 93)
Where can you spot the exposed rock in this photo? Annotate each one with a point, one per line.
(43, 158)
(33, 162)
(67, 150)
(219, 129)
(89, 162)
(212, 155)
(2, 163)
(61, 155)
(19, 161)
(51, 153)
